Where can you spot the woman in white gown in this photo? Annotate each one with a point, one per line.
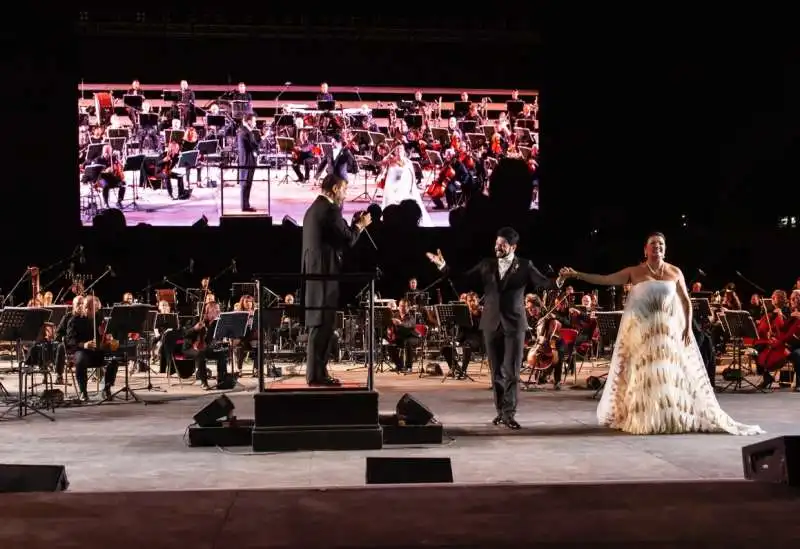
(401, 184)
(657, 382)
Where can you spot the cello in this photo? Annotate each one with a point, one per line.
(544, 353)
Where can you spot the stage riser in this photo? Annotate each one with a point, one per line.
(333, 438)
(316, 407)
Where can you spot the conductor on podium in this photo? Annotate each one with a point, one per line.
(247, 145)
(326, 236)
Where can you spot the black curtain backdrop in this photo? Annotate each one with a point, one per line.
(640, 128)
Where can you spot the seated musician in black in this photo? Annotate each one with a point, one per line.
(564, 316)
(109, 178)
(470, 339)
(165, 338)
(405, 337)
(84, 339)
(166, 170)
(197, 345)
(246, 344)
(303, 157)
(61, 337)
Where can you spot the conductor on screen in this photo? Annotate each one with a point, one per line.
(247, 145)
(326, 236)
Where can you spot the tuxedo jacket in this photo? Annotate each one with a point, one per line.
(504, 299)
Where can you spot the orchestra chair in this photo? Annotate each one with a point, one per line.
(585, 352)
(568, 336)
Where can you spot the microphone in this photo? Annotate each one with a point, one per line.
(191, 265)
(81, 257)
(701, 272)
(110, 270)
(233, 266)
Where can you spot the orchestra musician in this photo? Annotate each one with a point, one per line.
(303, 157)
(245, 345)
(324, 94)
(418, 104)
(345, 162)
(247, 145)
(781, 320)
(404, 336)
(241, 94)
(326, 236)
(786, 336)
(503, 322)
(111, 177)
(166, 171)
(165, 340)
(84, 337)
(134, 89)
(197, 345)
(186, 105)
(469, 338)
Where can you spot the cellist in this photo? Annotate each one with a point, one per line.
(786, 341)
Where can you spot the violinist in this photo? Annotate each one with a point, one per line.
(786, 340)
(197, 344)
(405, 337)
(345, 162)
(246, 344)
(111, 177)
(473, 115)
(456, 137)
(470, 339)
(303, 156)
(84, 335)
(166, 171)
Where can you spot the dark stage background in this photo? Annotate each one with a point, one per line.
(643, 131)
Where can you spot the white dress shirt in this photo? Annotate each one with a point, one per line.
(504, 263)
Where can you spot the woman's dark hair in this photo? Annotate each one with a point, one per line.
(654, 233)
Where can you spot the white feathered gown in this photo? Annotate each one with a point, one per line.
(656, 383)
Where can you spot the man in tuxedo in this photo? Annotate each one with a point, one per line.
(247, 146)
(503, 322)
(326, 235)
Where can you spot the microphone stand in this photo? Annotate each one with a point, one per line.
(99, 278)
(753, 284)
(179, 288)
(25, 275)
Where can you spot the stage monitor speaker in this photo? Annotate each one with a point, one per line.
(220, 408)
(33, 478)
(775, 460)
(289, 221)
(410, 411)
(387, 470)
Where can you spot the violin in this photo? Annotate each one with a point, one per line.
(466, 159)
(496, 144)
(191, 135)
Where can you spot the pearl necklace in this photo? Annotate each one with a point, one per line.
(657, 274)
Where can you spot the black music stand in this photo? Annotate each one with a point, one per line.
(739, 325)
(608, 325)
(286, 146)
(383, 321)
(231, 325)
(452, 317)
(134, 164)
(20, 324)
(271, 318)
(701, 308)
(124, 320)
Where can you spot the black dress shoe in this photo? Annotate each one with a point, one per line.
(511, 423)
(497, 420)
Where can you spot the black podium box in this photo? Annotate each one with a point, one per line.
(316, 419)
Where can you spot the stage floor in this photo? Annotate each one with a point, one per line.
(280, 196)
(136, 447)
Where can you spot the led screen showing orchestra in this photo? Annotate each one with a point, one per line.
(173, 154)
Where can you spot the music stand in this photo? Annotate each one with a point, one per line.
(231, 325)
(326, 105)
(271, 318)
(701, 308)
(20, 324)
(134, 164)
(452, 317)
(461, 108)
(739, 325)
(383, 321)
(124, 320)
(286, 146)
(608, 324)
